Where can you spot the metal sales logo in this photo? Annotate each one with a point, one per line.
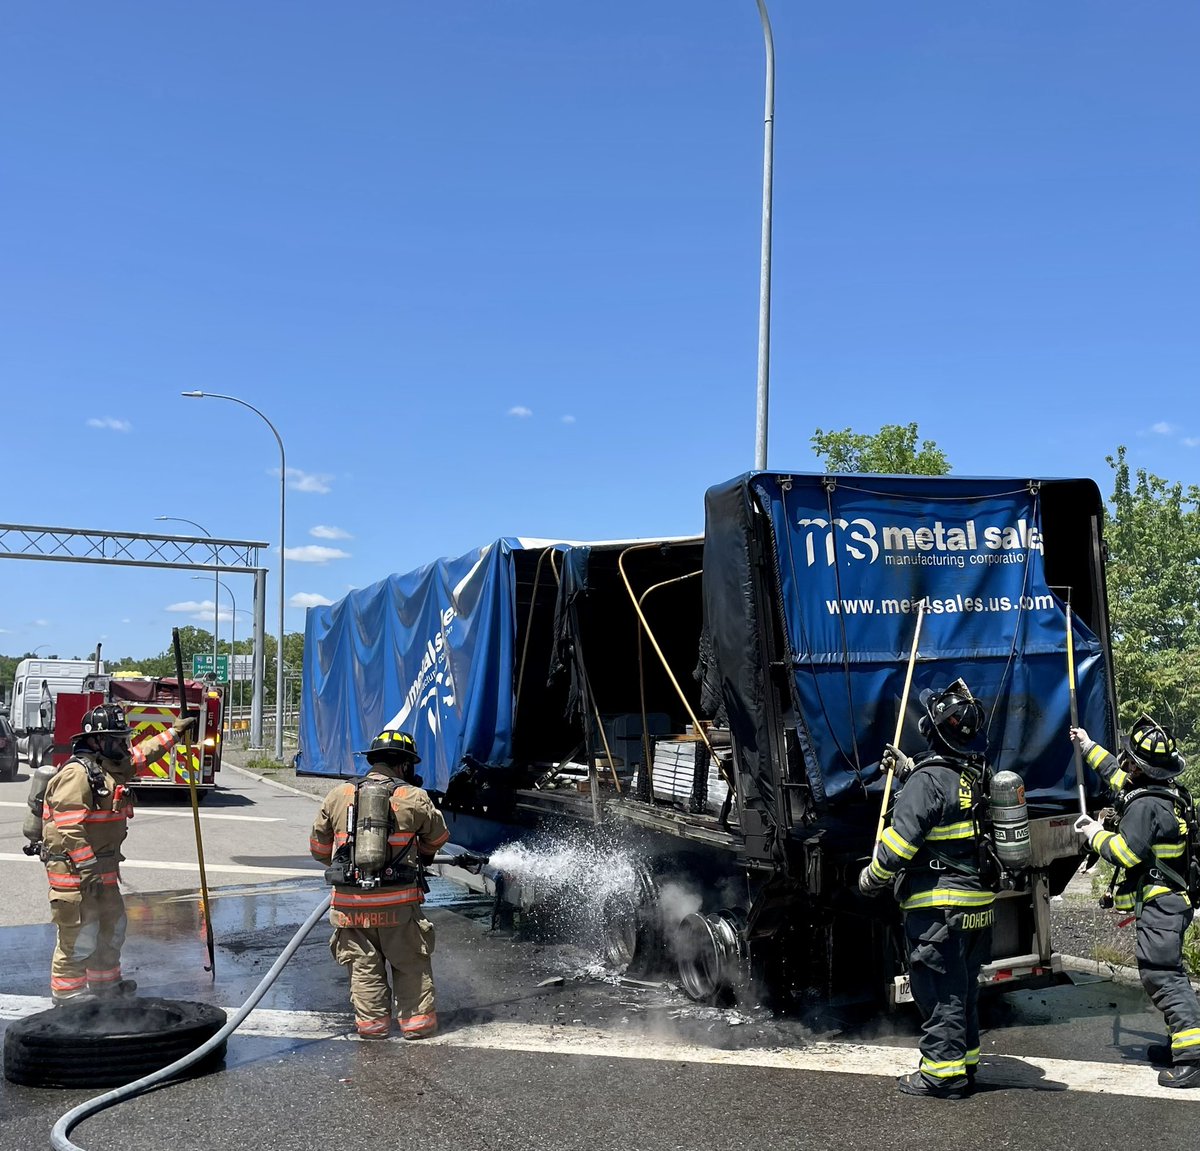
(432, 687)
(936, 543)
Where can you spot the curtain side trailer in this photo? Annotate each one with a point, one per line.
(717, 707)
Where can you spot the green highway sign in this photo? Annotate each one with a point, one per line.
(202, 666)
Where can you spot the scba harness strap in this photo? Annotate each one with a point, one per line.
(984, 865)
(343, 870)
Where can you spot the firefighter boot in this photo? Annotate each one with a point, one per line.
(1181, 1075)
(77, 997)
(916, 1084)
(122, 989)
(1159, 1054)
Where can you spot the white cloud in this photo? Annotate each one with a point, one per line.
(568, 419)
(314, 554)
(191, 605)
(127, 621)
(1191, 441)
(110, 424)
(309, 599)
(199, 610)
(1162, 428)
(41, 623)
(324, 532)
(300, 481)
(520, 412)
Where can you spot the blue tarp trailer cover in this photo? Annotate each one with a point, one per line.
(850, 558)
(430, 651)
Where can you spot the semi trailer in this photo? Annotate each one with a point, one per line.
(714, 708)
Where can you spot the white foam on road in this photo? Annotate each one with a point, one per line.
(1029, 1072)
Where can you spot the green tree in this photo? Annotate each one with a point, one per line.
(1153, 576)
(892, 451)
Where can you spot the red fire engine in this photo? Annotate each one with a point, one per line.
(151, 705)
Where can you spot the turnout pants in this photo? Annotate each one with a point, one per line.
(91, 933)
(1159, 947)
(406, 950)
(946, 949)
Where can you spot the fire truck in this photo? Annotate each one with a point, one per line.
(151, 705)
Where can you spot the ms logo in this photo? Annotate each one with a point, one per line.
(856, 536)
(432, 688)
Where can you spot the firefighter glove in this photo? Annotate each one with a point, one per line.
(867, 883)
(1086, 743)
(1088, 827)
(895, 760)
(183, 724)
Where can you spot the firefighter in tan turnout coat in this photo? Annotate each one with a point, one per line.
(84, 816)
(372, 834)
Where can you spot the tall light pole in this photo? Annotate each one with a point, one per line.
(216, 581)
(282, 528)
(764, 285)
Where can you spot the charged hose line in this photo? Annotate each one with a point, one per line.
(59, 1136)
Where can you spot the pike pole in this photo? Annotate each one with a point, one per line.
(912, 659)
(191, 776)
(1075, 713)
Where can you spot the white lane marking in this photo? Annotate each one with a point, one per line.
(211, 868)
(1138, 1080)
(205, 815)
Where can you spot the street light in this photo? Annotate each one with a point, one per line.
(764, 281)
(282, 527)
(216, 611)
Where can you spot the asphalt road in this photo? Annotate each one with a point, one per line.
(539, 1047)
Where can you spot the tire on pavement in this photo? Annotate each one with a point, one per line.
(107, 1043)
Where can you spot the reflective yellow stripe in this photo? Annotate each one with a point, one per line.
(1117, 845)
(900, 846)
(953, 1069)
(1123, 851)
(881, 872)
(964, 830)
(949, 897)
(1095, 754)
(1185, 1039)
(1168, 850)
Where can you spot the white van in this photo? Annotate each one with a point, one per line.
(36, 685)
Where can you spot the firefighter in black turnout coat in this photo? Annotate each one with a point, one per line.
(1148, 847)
(930, 855)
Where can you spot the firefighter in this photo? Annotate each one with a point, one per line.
(930, 855)
(84, 822)
(375, 865)
(1148, 846)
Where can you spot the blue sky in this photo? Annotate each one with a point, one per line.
(491, 268)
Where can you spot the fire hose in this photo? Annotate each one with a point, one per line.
(60, 1135)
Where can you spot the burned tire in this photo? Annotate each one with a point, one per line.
(109, 1043)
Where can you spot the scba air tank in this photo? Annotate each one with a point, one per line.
(371, 828)
(1010, 820)
(39, 780)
